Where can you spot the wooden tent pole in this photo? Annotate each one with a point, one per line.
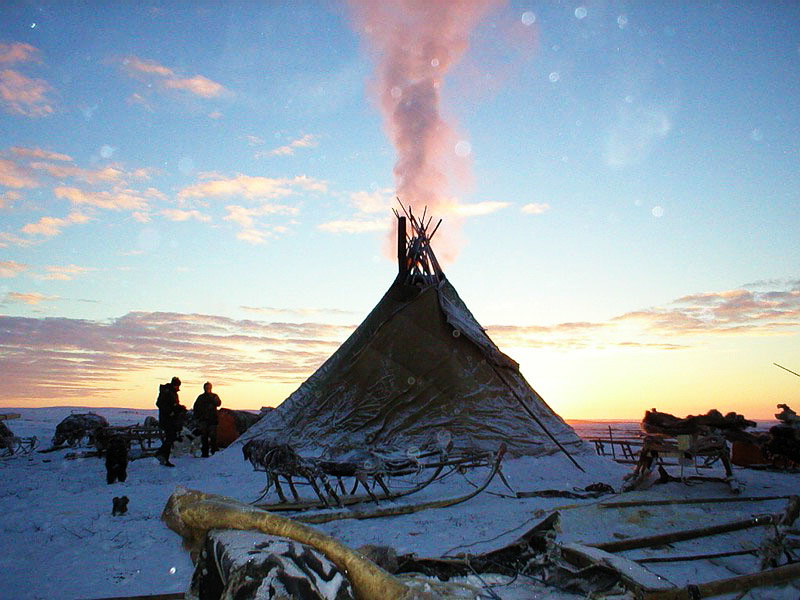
(535, 418)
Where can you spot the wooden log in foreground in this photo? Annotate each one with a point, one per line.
(775, 576)
(686, 534)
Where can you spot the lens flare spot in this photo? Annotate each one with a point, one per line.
(435, 63)
(554, 76)
(657, 212)
(528, 18)
(757, 135)
(396, 92)
(463, 148)
(107, 151)
(580, 12)
(622, 21)
(173, 570)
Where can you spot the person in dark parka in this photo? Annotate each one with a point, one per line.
(170, 417)
(205, 415)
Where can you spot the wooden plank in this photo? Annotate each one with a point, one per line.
(715, 500)
(9, 416)
(635, 577)
(776, 576)
(679, 536)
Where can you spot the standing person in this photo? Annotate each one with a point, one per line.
(170, 411)
(205, 413)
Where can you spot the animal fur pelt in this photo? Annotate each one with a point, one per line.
(250, 565)
(731, 425)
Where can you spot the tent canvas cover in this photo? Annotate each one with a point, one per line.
(418, 373)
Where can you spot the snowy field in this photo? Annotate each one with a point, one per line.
(58, 538)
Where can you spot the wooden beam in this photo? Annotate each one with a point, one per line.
(716, 500)
(634, 576)
(679, 536)
(775, 576)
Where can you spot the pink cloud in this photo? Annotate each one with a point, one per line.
(63, 272)
(40, 153)
(14, 176)
(103, 175)
(251, 188)
(116, 200)
(306, 141)
(197, 85)
(24, 96)
(52, 226)
(31, 298)
(10, 268)
(148, 67)
(174, 214)
(166, 78)
(18, 52)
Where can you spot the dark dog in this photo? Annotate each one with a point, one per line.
(116, 459)
(120, 506)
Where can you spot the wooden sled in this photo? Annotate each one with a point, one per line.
(334, 475)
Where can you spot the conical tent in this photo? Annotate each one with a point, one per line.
(419, 372)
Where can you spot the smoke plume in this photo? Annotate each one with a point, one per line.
(416, 42)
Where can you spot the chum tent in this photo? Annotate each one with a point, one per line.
(418, 373)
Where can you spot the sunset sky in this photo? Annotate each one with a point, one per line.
(204, 189)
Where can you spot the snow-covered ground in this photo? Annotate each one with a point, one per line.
(58, 538)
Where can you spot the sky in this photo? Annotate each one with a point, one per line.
(206, 190)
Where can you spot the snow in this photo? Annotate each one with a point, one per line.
(58, 538)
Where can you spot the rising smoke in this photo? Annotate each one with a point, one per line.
(416, 42)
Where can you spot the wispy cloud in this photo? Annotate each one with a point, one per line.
(14, 176)
(115, 200)
(166, 78)
(177, 214)
(684, 322)
(62, 272)
(252, 188)
(52, 226)
(10, 268)
(365, 208)
(38, 355)
(535, 208)
(39, 153)
(30, 298)
(23, 95)
(738, 311)
(11, 239)
(9, 197)
(306, 141)
(17, 52)
(197, 85)
(107, 174)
